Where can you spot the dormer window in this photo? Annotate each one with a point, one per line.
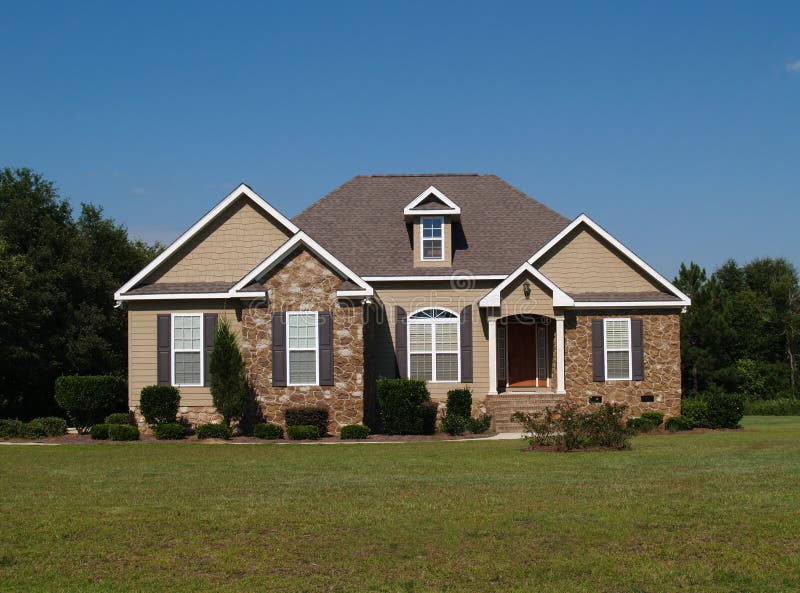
(432, 229)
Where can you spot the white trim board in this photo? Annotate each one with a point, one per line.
(493, 299)
(452, 207)
(241, 190)
(584, 219)
(456, 277)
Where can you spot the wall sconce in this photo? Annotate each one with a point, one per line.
(526, 289)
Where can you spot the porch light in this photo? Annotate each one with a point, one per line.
(526, 289)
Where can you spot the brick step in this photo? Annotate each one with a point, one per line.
(502, 407)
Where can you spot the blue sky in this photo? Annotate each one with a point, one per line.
(674, 125)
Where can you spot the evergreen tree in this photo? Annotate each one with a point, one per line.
(228, 387)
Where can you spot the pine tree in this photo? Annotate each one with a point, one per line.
(227, 374)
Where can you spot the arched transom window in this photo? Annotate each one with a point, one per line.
(433, 345)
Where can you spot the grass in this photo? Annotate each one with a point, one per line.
(687, 512)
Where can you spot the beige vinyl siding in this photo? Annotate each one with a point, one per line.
(515, 303)
(142, 344)
(231, 245)
(584, 262)
(448, 245)
(413, 296)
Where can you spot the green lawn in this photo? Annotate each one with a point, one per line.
(700, 512)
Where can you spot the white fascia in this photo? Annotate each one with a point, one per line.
(628, 304)
(583, 219)
(301, 238)
(452, 207)
(175, 296)
(241, 190)
(560, 298)
(454, 277)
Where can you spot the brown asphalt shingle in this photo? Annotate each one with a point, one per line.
(181, 288)
(361, 223)
(619, 297)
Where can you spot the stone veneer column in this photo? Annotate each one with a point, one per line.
(560, 372)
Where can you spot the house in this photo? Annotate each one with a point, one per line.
(454, 279)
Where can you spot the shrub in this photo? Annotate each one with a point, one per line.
(52, 426)
(267, 431)
(299, 432)
(402, 405)
(169, 431)
(213, 431)
(32, 430)
(454, 424)
(90, 398)
(10, 429)
(773, 407)
(725, 410)
(314, 416)
(565, 428)
(696, 411)
(430, 413)
(459, 402)
(480, 424)
(119, 418)
(678, 423)
(122, 432)
(354, 431)
(228, 388)
(655, 418)
(159, 403)
(99, 432)
(647, 422)
(605, 429)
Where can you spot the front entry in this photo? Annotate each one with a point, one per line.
(527, 355)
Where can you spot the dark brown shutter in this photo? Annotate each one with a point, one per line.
(598, 356)
(637, 349)
(325, 324)
(210, 321)
(401, 341)
(466, 344)
(279, 349)
(163, 338)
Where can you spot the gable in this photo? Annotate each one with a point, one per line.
(227, 248)
(584, 262)
(514, 302)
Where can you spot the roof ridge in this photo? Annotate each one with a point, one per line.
(424, 175)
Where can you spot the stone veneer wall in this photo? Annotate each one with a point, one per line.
(191, 415)
(662, 362)
(303, 283)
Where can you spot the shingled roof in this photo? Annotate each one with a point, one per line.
(361, 223)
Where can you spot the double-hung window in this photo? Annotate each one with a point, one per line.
(617, 334)
(433, 345)
(187, 349)
(303, 347)
(432, 229)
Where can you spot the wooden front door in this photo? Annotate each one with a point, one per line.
(521, 355)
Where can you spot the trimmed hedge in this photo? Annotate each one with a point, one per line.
(725, 410)
(267, 431)
(11, 429)
(480, 424)
(402, 405)
(773, 407)
(159, 403)
(647, 422)
(32, 431)
(213, 431)
(169, 431)
(38, 428)
(52, 426)
(99, 432)
(677, 423)
(354, 431)
(459, 402)
(310, 416)
(430, 413)
(696, 411)
(301, 432)
(90, 398)
(119, 418)
(122, 432)
(454, 424)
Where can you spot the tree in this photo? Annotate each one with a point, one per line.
(228, 388)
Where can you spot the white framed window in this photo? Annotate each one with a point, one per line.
(617, 344)
(432, 238)
(433, 346)
(187, 349)
(302, 345)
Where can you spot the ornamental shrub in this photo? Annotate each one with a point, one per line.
(430, 413)
(267, 431)
(119, 418)
(169, 431)
(402, 405)
(99, 432)
(122, 432)
(11, 429)
(159, 403)
(696, 411)
(565, 428)
(480, 424)
(677, 423)
(32, 430)
(213, 431)
(454, 424)
(228, 387)
(459, 402)
(300, 432)
(309, 416)
(88, 399)
(647, 422)
(354, 431)
(773, 407)
(52, 426)
(655, 418)
(725, 410)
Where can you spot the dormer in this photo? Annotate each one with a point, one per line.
(431, 216)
